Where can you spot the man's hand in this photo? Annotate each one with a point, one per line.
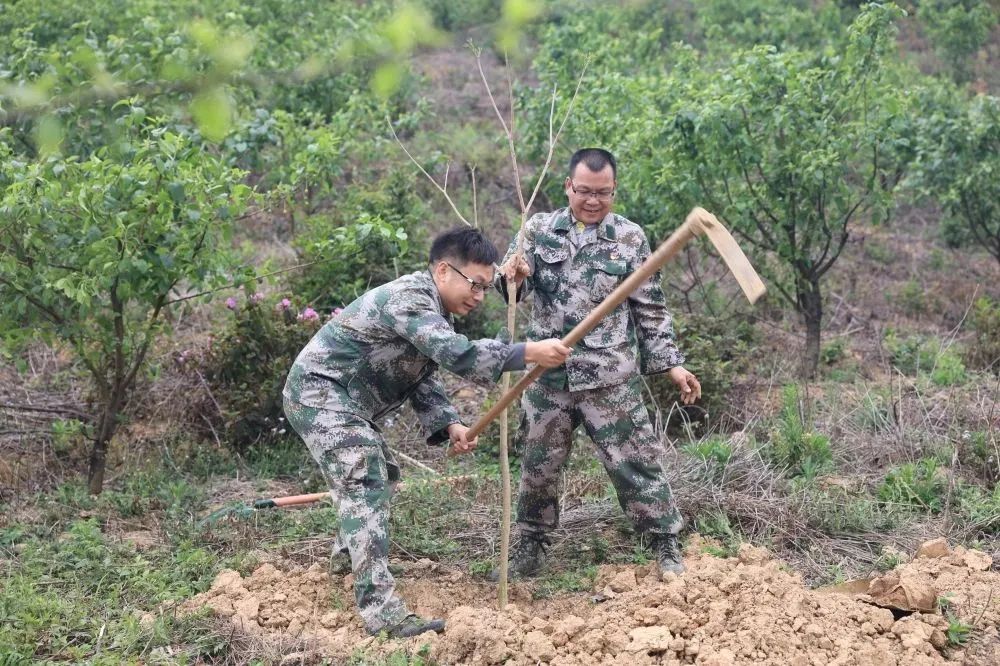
(546, 353)
(516, 269)
(459, 444)
(687, 383)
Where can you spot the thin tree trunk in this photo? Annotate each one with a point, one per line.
(105, 431)
(811, 306)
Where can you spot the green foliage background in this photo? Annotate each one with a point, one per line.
(153, 155)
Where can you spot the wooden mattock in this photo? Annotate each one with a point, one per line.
(699, 221)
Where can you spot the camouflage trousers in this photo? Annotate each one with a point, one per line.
(361, 473)
(616, 420)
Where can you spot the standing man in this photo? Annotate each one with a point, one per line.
(573, 258)
(382, 349)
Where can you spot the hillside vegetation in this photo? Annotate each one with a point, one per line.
(189, 190)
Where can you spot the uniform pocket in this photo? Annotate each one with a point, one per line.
(363, 465)
(548, 267)
(607, 276)
(640, 417)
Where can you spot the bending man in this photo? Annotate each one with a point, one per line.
(382, 349)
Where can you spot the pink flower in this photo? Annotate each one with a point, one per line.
(308, 315)
(231, 303)
(285, 304)
(337, 311)
(257, 297)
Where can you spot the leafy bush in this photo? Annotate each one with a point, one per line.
(912, 298)
(717, 351)
(361, 244)
(715, 524)
(917, 485)
(713, 450)
(93, 250)
(451, 15)
(247, 363)
(833, 351)
(981, 508)
(835, 511)
(793, 446)
(920, 355)
(958, 164)
(958, 29)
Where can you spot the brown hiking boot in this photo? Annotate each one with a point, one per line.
(668, 553)
(411, 625)
(527, 558)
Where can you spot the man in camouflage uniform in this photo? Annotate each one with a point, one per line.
(573, 259)
(382, 349)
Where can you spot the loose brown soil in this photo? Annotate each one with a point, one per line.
(741, 610)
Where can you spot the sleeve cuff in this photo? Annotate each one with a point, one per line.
(515, 359)
(441, 434)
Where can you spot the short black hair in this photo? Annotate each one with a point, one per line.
(464, 245)
(595, 159)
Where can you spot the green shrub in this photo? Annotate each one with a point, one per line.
(835, 511)
(714, 451)
(879, 252)
(919, 355)
(980, 508)
(911, 298)
(958, 29)
(248, 361)
(793, 446)
(833, 351)
(717, 351)
(984, 321)
(949, 370)
(362, 243)
(451, 15)
(715, 524)
(917, 485)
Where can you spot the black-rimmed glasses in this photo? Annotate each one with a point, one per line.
(479, 287)
(600, 195)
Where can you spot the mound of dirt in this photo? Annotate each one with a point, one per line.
(742, 610)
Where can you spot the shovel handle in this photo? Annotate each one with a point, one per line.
(290, 500)
(667, 250)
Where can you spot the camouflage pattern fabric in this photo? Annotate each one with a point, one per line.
(570, 275)
(573, 268)
(617, 421)
(384, 348)
(361, 473)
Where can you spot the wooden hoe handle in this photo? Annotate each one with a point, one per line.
(698, 221)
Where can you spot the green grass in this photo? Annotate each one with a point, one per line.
(916, 485)
(572, 580)
(82, 594)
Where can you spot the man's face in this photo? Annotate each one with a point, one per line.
(460, 297)
(593, 195)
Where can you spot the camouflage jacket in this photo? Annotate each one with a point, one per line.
(384, 348)
(568, 282)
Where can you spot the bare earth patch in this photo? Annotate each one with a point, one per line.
(742, 610)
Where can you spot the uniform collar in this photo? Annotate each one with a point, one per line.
(605, 228)
(427, 275)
